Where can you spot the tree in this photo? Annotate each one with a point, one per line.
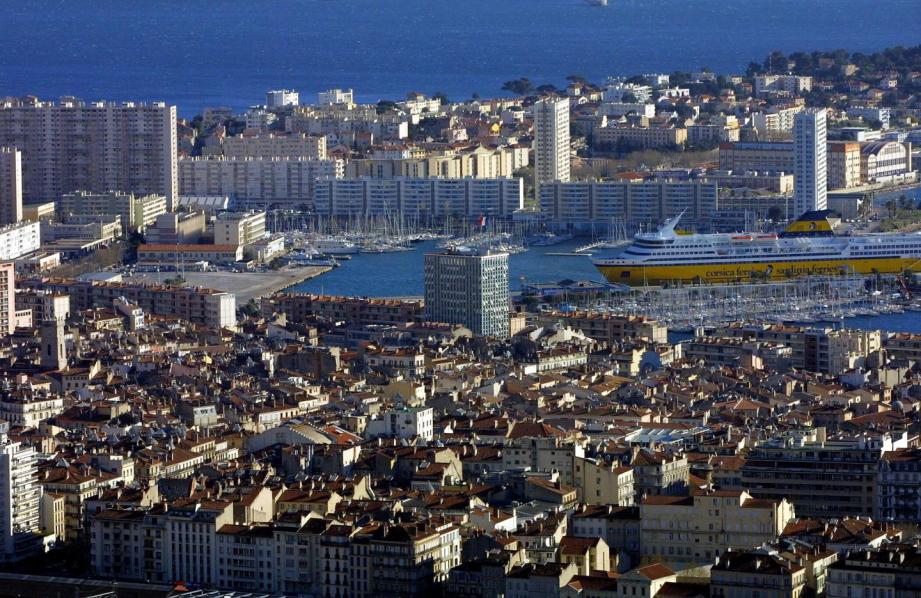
(385, 106)
(520, 87)
(637, 80)
(576, 79)
(440, 95)
(546, 89)
(629, 98)
(775, 214)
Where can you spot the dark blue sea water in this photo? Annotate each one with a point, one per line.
(197, 53)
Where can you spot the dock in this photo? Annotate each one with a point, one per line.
(244, 285)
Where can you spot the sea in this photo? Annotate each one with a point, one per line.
(400, 274)
(197, 53)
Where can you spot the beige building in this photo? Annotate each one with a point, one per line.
(10, 185)
(34, 212)
(94, 146)
(480, 163)
(136, 213)
(239, 228)
(270, 145)
(843, 165)
(640, 137)
(686, 531)
(602, 483)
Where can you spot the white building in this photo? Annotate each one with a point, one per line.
(259, 117)
(97, 147)
(403, 422)
(332, 97)
(551, 141)
(16, 240)
(256, 183)
(587, 204)
(20, 495)
(810, 162)
(10, 185)
(419, 197)
(469, 289)
(791, 84)
(282, 98)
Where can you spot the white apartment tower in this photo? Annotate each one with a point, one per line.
(20, 495)
(551, 141)
(282, 98)
(10, 185)
(7, 298)
(98, 147)
(469, 289)
(810, 165)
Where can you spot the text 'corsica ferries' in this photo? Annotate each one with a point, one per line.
(807, 247)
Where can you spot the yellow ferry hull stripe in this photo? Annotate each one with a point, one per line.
(639, 275)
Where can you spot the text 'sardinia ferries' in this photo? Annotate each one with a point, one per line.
(807, 247)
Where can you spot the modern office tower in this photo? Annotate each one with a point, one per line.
(551, 140)
(71, 146)
(20, 495)
(136, 213)
(7, 298)
(282, 98)
(10, 185)
(54, 348)
(468, 288)
(810, 166)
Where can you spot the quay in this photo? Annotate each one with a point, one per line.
(244, 285)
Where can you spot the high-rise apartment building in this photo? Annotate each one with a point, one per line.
(7, 298)
(469, 289)
(10, 185)
(20, 494)
(810, 165)
(72, 145)
(551, 141)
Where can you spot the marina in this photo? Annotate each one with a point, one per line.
(831, 300)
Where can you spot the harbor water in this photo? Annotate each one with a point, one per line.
(400, 274)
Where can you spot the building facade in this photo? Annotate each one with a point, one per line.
(587, 204)
(256, 183)
(551, 141)
(418, 198)
(97, 147)
(469, 289)
(10, 185)
(810, 168)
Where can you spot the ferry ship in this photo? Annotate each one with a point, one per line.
(807, 247)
